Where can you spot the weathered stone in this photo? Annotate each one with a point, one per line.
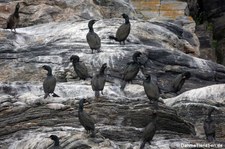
(27, 120)
(43, 11)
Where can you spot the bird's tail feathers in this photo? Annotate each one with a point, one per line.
(46, 95)
(123, 85)
(156, 104)
(93, 134)
(112, 37)
(142, 145)
(55, 95)
(210, 138)
(97, 94)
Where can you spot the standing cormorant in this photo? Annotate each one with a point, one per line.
(56, 142)
(210, 127)
(179, 81)
(79, 67)
(98, 81)
(13, 19)
(149, 131)
(49, 82)
(93, 39)
(86, 120)
(123, 31)
(151, 89)
(131, 70)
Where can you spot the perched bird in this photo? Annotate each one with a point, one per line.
(93, 39)
(86, 120)
(98, 81)
(79, 67)
(131, 70)
(56, 142)
(13, 19)
(210, 127)
(49, 82)
(123, 31)
(179, 81)
(149, 131)
(151, 89)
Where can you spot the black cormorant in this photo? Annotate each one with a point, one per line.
(123, 31)
(151, 89)
(49, 82)
(92, 38)
(131, 70)
(56, 142)
(210, 127)
(98, 81)
(79, 67)
(179, 81)
(149, 131)
(86, 120)
(13, 19)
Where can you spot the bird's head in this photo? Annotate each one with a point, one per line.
(124, 15)
(17, 5)
(91, 22)
(46, 67)
(54, 137)
(148, 77)
(136, 55)
(186, 75)
(74, 58)
(104, 65)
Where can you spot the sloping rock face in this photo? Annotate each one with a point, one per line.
(194, 105)
(212, 14)
(34, 12)
(169, 47)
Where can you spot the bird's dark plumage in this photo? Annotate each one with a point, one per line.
(123, 31)
(149, 131)
(13, 19)
(151, 89)
(179, 81)
(98, 81)
(49, 82)
(93, 39)
(79, 67)
(210, 127)
(131, 70)
(56, 142)
(86, 120)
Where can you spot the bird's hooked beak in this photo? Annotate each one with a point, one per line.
(95, 21)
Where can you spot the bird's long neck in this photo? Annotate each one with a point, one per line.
(102, 70)
(135, 59)
(56, 142)
(127, 21)
(154, 119)
(209, 117)
(81, 106)
(75, 62)
(148, 79)
(49, 72)
(91, 28)
(16, 13)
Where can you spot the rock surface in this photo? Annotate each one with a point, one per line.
(34, 12)
(169, 47)
(212, 14)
